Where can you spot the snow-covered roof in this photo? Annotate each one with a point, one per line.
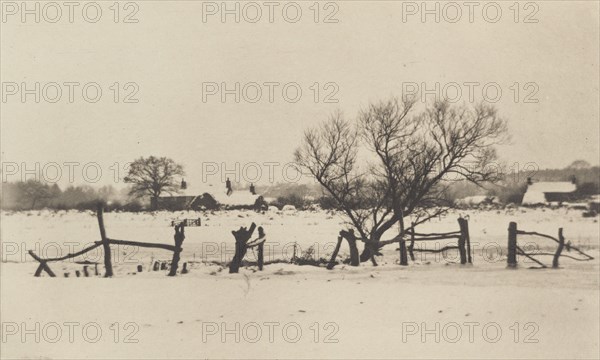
(536, 192)
(554, 187)
(237, 197)
(218, 192)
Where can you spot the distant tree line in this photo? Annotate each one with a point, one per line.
(32, 195)
(37, 195)
(148, 178)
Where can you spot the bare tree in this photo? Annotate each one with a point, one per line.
(153, 176)
(34, 192)
(412, 159)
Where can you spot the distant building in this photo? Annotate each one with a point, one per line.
(206, 196)
(544, 193)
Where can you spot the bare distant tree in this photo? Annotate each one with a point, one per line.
(412, 159)
(33, 192)
(153, 176)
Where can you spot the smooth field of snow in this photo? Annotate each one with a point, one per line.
(433, 308)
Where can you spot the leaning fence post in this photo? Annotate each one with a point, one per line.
(335, 253)
(105, 243)
(561, 245)
(512, 245)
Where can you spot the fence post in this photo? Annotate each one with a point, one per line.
(403, 257)
(561, 245)
(464, 231)
(512, 245)
(105, 244)
(468, 238)
(461, 242)
(412, 242)
(260, 256)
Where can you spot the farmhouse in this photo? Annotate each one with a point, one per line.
(207, 196)
(544, 193)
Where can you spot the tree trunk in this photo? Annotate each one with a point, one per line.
(351, 238)
(366, 254)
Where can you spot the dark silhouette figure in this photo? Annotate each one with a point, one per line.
(228, 186)
(252, 189)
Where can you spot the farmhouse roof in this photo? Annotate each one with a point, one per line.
(218, 192)
(536, 192)
(552, 187)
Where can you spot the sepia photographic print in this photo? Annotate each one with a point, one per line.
(308, 179)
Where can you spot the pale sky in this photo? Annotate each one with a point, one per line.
(368, 54)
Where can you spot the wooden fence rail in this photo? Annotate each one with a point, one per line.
(462, 235)
(463, 246)
(105, 242)
(514, 249)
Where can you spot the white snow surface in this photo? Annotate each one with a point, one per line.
(361, 312)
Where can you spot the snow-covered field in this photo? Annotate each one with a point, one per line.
(430, 309)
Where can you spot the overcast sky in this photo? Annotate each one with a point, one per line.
(172, 53)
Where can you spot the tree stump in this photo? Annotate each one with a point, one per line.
(178, 237)
(85, 271)
(140, 268)
(241, 238)
(156, 266)
(185, 269)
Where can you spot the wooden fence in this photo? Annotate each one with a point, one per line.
(463, 243)
(105, 242)
(514, 249)
(187, 222)
(462, 235)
